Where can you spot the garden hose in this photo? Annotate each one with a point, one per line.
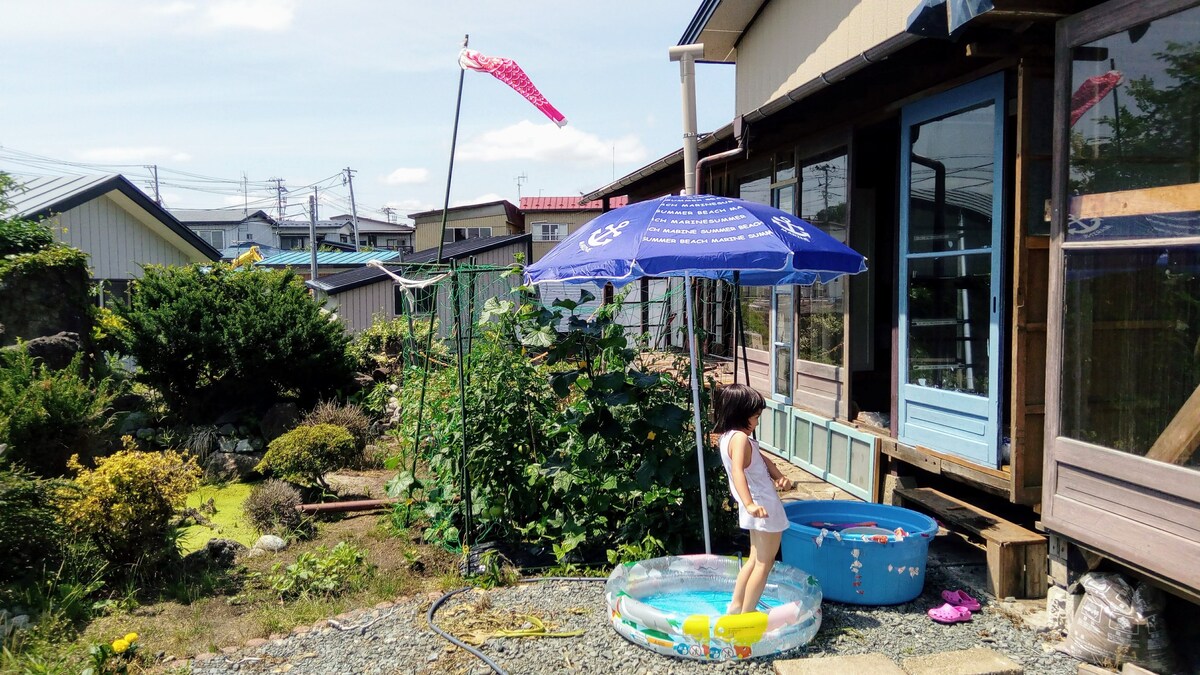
(471, 650)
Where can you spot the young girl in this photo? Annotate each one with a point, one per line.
(753, 480)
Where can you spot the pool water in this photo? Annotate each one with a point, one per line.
(712, 603)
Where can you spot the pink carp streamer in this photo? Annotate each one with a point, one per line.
(1091, 91)
(508, 72)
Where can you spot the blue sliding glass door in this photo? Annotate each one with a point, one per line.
(951, 271)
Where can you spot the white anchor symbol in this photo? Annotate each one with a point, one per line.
(792, 228)
(604, 235)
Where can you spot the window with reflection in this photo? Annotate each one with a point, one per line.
(820, 327)
(1131, 286)
(949, 248)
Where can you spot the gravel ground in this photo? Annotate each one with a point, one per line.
(397, 639)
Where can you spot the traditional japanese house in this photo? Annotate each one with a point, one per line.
(1025, 180)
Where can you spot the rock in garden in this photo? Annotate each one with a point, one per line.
(223, 552)
(55, 351)
(231, 466)
(269, 542)
(243, 446)
(227, 430)
(278, 419)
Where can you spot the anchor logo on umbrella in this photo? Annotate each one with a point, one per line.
(603, 236)
(792, 228)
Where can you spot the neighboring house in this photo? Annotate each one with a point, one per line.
(115, 223)
(1028, 200)
(223, 228)
(328, 262)
(493, 219)
(295, 234)
(359, 296)
(379, 233)
(551, 219)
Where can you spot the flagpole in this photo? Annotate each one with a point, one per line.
(453, 142)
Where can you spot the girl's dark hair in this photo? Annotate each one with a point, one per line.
(735, 405)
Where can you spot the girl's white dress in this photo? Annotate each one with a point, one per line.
(762, 490)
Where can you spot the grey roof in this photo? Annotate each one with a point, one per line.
(299, 225)
(45, 196)
(225, 216)
(344, 281)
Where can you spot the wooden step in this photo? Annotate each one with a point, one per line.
(1016, 556)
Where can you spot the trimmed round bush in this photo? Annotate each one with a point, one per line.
(271, 508)
(346, 415)
(305, 454)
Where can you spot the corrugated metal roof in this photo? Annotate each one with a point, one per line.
(39, 194)
(350, 279)
(228, 216)
(327, 258)
(569, 204)
(458, 250)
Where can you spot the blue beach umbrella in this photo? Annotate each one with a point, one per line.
(697, 236)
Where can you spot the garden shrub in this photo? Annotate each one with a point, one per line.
(345, 415)
(581, 449)
(46, 416)
(393, 343)
(31, 532)
(324, 573)
(213, 339)
(127, 504)
(305, 454)
(271, 508)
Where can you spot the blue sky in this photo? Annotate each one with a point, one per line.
(301, 89)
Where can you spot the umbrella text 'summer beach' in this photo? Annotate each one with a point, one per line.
(698, 236)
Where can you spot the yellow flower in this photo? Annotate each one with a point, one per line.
(120, 645)
(650, 436)
(131, 638)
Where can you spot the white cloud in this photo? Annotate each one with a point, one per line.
(264, 15)
(133, 154)
(173, 8)
(406, 176)
(481, 199)
(548, 143)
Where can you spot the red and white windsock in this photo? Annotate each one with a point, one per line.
(508, 72)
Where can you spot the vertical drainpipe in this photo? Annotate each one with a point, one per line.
(686, 55)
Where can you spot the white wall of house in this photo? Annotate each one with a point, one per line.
(119, 237)
(793, 42)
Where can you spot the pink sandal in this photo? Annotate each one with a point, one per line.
(961, 599)
(948, 613)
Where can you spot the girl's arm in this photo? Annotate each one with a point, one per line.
(782, 482)
(739, 452)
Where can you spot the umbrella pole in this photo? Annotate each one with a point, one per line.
(691, 324)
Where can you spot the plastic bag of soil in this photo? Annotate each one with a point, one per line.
(1117, 624)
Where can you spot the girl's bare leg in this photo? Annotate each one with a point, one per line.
(763, 547)
(739, 587)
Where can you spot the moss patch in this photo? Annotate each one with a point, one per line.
(227, 523)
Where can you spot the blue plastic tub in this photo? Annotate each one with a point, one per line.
(864, 567)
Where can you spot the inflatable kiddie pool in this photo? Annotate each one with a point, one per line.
(676, 606)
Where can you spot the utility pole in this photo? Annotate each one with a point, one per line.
(520, 179)
(245, 197)
(390, 213)
(279, 192)
(353, 207)
(157, 197)
(312, 235)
